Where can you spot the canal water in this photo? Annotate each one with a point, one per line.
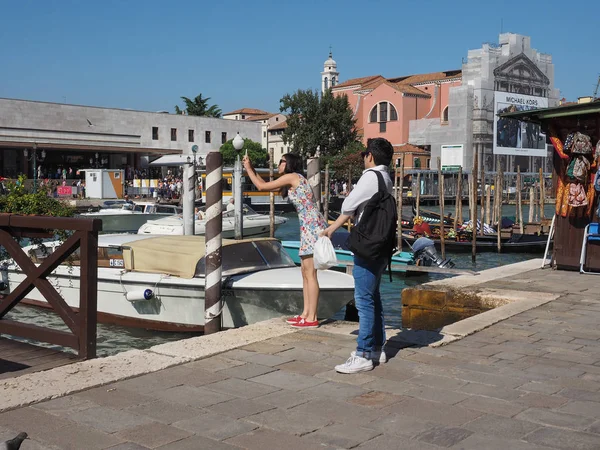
(114, 339)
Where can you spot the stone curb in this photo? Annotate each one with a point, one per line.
(60, 381)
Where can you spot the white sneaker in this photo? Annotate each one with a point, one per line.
(355, 364)
(376, 355)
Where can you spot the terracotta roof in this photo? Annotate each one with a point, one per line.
(261, 117)
(425, 77)
(356, 81)
(279, 126)
(408, 89)
(409, 148)
(247, 111)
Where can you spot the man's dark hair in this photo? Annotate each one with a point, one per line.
(382, 151)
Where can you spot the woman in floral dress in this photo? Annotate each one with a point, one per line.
(293, 185)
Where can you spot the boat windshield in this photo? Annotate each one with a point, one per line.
(250, 256)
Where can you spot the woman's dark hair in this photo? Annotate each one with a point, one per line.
(293, 164)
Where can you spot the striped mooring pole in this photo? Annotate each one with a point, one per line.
(213, 239)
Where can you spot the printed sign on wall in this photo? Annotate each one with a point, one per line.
(514, 137)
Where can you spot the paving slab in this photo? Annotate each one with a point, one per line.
(526, 382)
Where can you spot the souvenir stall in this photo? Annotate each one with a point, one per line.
(574, 132)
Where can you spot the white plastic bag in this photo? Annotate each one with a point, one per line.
(324, 254)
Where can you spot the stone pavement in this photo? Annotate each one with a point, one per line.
(529, 382)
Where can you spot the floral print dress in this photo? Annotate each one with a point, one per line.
(311, 220)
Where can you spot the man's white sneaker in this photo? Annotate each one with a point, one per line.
(355, 364)
(376, 356)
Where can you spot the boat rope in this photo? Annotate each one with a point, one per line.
(213, 302)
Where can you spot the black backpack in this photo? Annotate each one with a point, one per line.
(375, 235)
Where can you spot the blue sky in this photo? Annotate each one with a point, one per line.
(146, 54)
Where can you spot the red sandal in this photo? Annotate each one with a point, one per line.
(302, 323)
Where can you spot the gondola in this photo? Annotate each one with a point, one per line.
(517, 243)
(432, 217)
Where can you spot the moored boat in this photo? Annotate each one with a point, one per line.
(130, 216)
(157, 282)
(254, 224)
(344, 255)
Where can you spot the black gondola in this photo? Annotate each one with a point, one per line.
(517, 243)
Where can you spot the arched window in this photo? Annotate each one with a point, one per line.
(332, 81)
(373, 115)
(445, 115)
(393, 113)
(326, 83)
(383, 112)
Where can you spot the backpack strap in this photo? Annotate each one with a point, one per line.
(380, 182)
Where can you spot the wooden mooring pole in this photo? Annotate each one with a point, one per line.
(519, 200)
(399, 202)
(482, 202)
(442, 224)
(474, 208)
(214, 228)
(459, 189)
(499, 214)
(542, 195)
(326, 201)
(272, 197)
(531, 204)
(418, 194)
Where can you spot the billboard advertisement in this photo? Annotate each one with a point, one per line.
(512, 137)
(452, 157)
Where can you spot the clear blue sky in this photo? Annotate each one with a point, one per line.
(146, 54)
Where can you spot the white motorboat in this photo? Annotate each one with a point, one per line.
(254, 224)
(157, 282)
(130, 216)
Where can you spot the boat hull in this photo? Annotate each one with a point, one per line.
(178, 304)
(528, 244)
(346, 256)
(123, 223)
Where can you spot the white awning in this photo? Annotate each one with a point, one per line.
(171, 160)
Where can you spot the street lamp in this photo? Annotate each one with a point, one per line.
(238, 144)
(97, 162)
(34, 157)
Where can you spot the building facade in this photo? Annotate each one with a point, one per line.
(78, 137)
(455, 110)
(512, 67)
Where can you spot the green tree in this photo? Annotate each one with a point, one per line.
(257, 154)
(348, 159)
(18, 200)
(198, 107)
(314, 120)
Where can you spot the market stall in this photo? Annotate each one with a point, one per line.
(574, 132)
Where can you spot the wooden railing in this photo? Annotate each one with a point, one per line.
(82, 324)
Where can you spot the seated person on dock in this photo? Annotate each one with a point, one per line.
(421, 227)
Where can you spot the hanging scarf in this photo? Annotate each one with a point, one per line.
(557, 143)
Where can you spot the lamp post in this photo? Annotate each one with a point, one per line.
(189, 193)
(97, 162)
(34, 157)
(238, 144)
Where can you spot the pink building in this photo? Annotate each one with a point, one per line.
(383, 107)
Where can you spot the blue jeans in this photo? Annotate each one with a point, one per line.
(371, 328)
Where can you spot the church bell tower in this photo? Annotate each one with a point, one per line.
(330, 76)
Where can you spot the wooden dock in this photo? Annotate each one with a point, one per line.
(19, 358)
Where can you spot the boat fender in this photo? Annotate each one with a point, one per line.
(141, 294)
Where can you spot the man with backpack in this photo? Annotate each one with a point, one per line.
(372, 206)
